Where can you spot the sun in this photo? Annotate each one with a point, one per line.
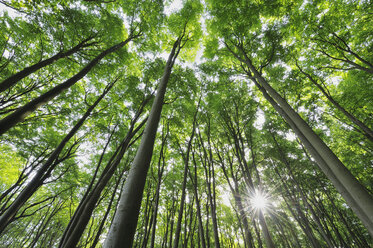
(258, 201)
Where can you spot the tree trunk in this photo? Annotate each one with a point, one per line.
(102, 223)
(267, 236)
(85, 209)
(46, 169)
(185, 178)
(366, 130)
(123, 227)
(158, 189)
(21, 113)
(12, 80)
(198, 204)
(355, 194)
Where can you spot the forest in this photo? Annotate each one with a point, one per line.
(186, 123)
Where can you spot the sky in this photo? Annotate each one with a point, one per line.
(173, 7)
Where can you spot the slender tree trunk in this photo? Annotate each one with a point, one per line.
(185, 178)
(12, 80)
(158, 189)
(352, 191)
(21, 113)
(198, 204)
(102, 223)
(267, 236)
(123, 227)
(213, 193)
(355, 194)
(181, 209)
(365, 129)
(85, 209)
(46, 169)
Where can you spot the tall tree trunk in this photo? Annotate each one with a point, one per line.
(83, 213)
(158, 189)
(267, 236)
(21, 113)
(198, 204)
(123, 227)
(303, 196)
(185, 178)
(212, 192)
(46, 169)
(365, 129)
(102, 222)
(355, 194)
(12, 80)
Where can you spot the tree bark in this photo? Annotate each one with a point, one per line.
(123, 227)
(12, 80)
(85, 209)
(44, 172)
(21, 113)
(267, 236)
(365, 129)
(355, 194)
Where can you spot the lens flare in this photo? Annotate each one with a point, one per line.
(259, 201)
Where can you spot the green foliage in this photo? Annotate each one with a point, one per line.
(238, 134)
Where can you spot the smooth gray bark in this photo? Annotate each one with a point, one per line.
(21, 113)
(336, 177)
(355, 194)
(267, 236)
(44, 172)
(124, 224)
(12, 80)
(364, 128)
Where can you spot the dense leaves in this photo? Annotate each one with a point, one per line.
(220, 139)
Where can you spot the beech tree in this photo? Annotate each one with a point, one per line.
(186, 124)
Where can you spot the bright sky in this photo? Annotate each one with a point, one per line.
(173, 7)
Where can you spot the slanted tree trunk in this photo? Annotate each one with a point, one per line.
(102, 222)
(198, 204)
(355, 194)
(161, 166)
(364, 128)
(46, 169)
(85, 209)
(267, 236)
(21, 113)
(12, 80)
(123, 227)
(186, 157)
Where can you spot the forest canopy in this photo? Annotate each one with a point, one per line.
(186, 123)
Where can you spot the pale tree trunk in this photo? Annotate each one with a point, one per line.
(185, 178)
(83, 213)
(124, 224)
(355, 194)
(21, 113)
(364, 128)
(44, 172)
(267, 236)
(12, 80)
